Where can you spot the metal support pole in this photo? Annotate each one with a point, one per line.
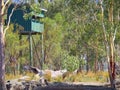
(42, 55)
(30, 49)
(20, 38)
(20, 54)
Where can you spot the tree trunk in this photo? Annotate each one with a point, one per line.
(109, 44)
(101, 66)
(96, 61)
(112, 54)
(87, 62)
(2, 55)
(112, 62)
(2, 58)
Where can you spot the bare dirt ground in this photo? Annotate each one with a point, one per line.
(33, 85)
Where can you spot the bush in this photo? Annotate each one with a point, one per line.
(69, 62)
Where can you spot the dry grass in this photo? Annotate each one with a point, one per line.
(11, 76)
(81, 77)
(87, 77)
(17, 76)
(48, 75)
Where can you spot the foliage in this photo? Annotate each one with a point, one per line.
(70, 63)
(52, 40)
(13, 48)
(13, 42)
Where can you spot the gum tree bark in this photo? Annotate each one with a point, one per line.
(3, 8)
(2, 46)
(109, 43)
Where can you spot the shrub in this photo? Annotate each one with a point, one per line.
(69, 62)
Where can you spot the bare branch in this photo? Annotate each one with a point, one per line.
(4, 5)
(114, 35)
(118, 15)
(103, 25)
(8, 24)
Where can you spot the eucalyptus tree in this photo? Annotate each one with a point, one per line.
(109, 19)
(82, 34)
(52, 40)
(4, 6)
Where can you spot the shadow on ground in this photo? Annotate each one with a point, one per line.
(64, 86)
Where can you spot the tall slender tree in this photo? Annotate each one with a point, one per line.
(3, 8)
(109, 32)
(2, 46)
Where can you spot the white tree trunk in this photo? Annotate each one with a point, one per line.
(2, 59)
(109, 44)
(2, 46)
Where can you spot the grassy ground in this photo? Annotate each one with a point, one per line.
(81, 81)
(81, 77)
(85, 77)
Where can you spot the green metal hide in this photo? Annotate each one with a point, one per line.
(29, 25)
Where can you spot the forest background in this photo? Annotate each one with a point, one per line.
(78, 34)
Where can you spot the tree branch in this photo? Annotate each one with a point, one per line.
(8, 24)
(4, 5)
(114, 35)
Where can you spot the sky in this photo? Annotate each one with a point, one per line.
(22, 1)
(17, 1)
